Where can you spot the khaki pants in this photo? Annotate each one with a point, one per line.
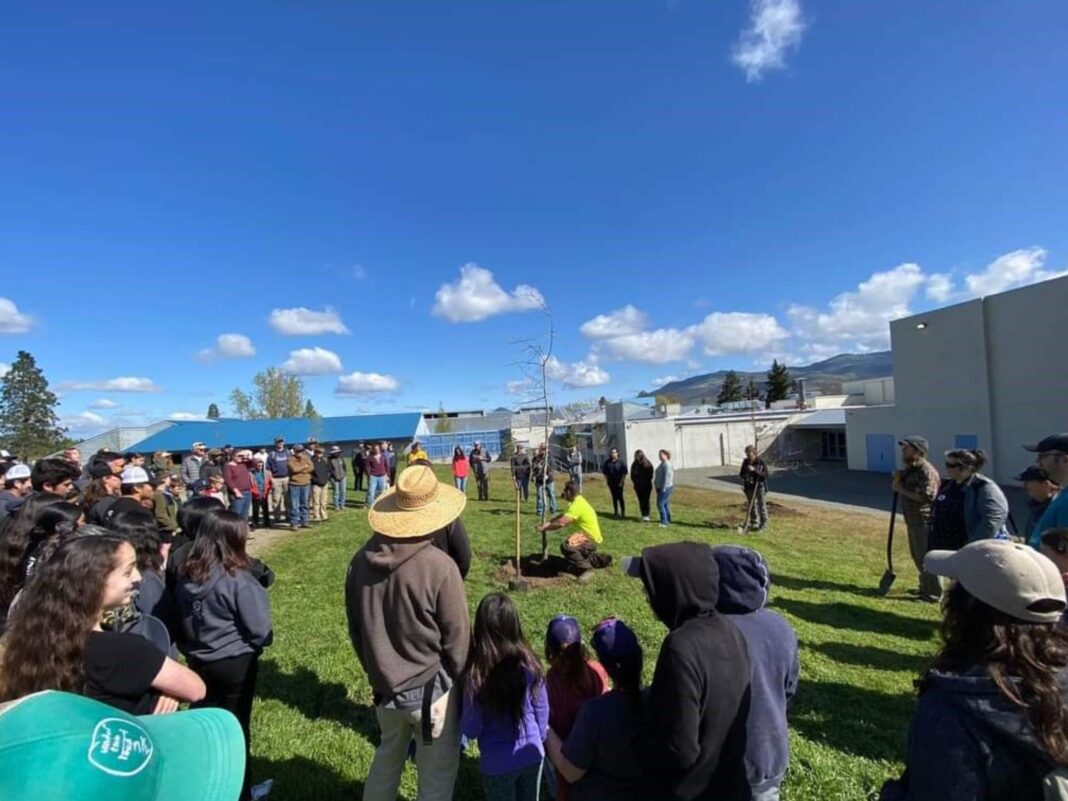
(436, 764)
(280, 499)
(318, 502)
(917, 528)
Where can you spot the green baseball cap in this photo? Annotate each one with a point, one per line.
(56, 745)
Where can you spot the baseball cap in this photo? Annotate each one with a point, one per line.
(917, 442)
(134, 475)
(196, 445)
(615, 642)
(199, 486)
(563, 631)
(279, 439)
(1033, 473)
(298, 447)
(16, 472)
(1054, 442)
(1012, 578)
(56, 745)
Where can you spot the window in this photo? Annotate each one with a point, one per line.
(834, 445)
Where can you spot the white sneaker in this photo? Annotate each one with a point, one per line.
(645, 519)
(261, 790)
(663, 525)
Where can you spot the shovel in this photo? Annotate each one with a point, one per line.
(888, 576)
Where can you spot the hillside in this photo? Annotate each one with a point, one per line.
(826, 377)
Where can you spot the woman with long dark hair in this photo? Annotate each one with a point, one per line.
(15, 533)
(992, 718)
(225, 616)
(641, 476)
(986, 510)
(505, 703)
(460, 468)
(139, 528)
(602, 757)
(55, 640)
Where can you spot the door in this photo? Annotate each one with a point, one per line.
(882, 453)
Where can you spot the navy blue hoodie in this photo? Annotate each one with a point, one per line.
(773, 658)
(967, 742)
(699, 698)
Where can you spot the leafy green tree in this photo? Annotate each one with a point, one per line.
(29, 426)
(274, 394)
(443, 424)
(213, 412)
(780, 383)
(310, 412)
(731, 391)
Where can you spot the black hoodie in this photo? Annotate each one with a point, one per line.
(699, 698)
(967, 742)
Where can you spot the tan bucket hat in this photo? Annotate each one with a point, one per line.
(418, 505)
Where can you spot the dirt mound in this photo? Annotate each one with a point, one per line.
(552, 571)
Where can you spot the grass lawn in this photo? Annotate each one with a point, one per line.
(314, 730)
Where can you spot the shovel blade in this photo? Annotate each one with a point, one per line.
(887, 580)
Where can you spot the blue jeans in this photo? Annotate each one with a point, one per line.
(663, 496)
(461, 483)
(240, 506)
(340, 486)
(549, 489)
(376, 485)
(519, 785)
(298, 504)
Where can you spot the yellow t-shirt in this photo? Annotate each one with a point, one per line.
(419, 454)
(585, 518)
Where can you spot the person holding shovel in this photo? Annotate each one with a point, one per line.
(579, 547)
(754, 475)
(917, 486)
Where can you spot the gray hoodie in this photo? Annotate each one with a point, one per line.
(224, 617)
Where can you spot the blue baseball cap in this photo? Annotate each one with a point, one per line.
(615, 642)
(563, 631)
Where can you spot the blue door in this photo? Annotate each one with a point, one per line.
(969, 441)
(882, 453)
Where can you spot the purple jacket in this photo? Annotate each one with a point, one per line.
(503, 747)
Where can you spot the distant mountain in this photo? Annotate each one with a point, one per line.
(826, 376)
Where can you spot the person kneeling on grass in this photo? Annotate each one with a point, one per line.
(580, 547)
(991, 721)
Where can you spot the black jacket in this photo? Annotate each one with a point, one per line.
(320, 471)
(454, 541)
(641, 475)
(967, 742)
(615, 472)
(753, 472)
(699, 698)
(520, 467)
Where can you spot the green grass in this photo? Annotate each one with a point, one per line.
(314, 730)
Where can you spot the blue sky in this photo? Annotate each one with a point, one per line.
(380, 195)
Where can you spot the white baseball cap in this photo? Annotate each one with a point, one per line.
(1012, 578)
(134, 475)
(16, 472)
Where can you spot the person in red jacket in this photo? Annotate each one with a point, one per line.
(239, 483)
(460, 467)
(261, 493)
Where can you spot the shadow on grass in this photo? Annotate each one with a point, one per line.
(850, 616)
(795, 583)
(300, 778)
(305, 692)
(869, 656)
(867, 723)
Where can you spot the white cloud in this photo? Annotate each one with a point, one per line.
(228, 346)
(12, 321)
(84, 423)
(312, 361)
(860, 320)
(775, 28)
(477, 296)
(5, 368)
(363, 383)
(1015, 269)
(660, 346)
(939, 287)
(306, 322)
(103, 403)
(621, 322)
(723, 333)
(123, 384)
(523, 386)
(185, 416)
(667, 379)
(576, 374)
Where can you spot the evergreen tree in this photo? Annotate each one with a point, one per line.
(29, 426)
(309, 410)
(779, 382)
(213, 412)
(731, 391)
(752, 390)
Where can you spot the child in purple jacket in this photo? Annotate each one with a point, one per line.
(506, 706)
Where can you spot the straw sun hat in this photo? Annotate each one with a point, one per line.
(418, 505)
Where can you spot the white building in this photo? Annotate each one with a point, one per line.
(986, 373)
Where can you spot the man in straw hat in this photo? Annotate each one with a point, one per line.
(409, 625)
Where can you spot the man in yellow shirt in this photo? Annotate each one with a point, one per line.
(416, 453)
(580, 546)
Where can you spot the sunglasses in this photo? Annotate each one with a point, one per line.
(953, 465)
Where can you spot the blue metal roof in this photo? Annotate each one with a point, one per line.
(251, 433)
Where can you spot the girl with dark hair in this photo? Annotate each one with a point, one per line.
(56, 522)
(986, 511)
(601, 757)
(505, 703)
(573, 678)
(225, 617)
(992, 719)
(139, 528)
(460, 468)
(55, 640)
(641, 476)
(15, 532)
